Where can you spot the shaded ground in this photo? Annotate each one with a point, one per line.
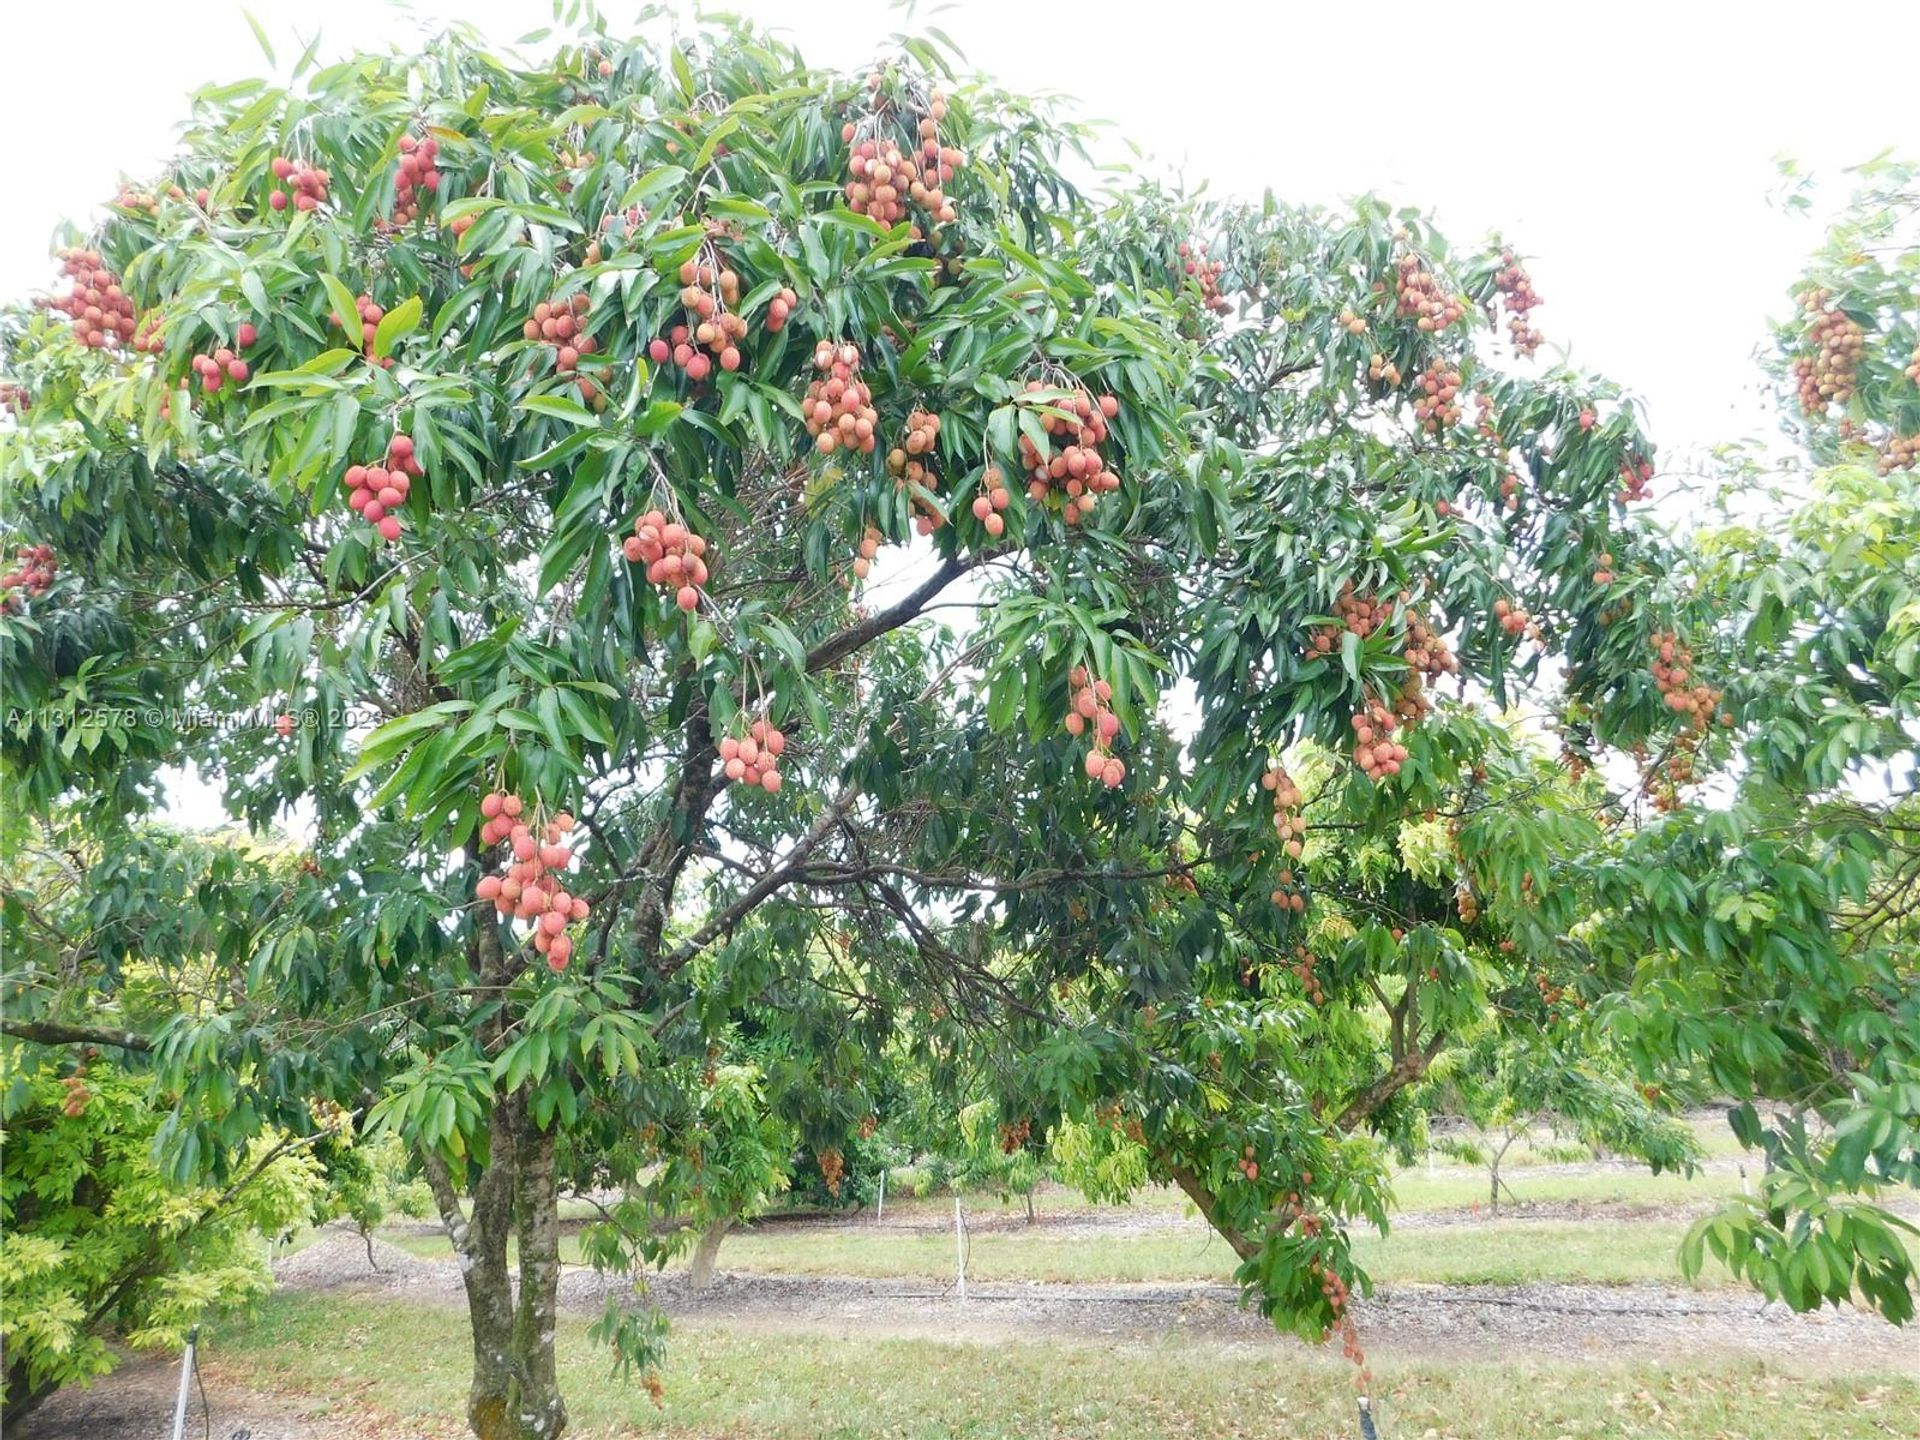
(136, 1402)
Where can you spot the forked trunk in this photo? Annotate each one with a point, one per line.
(514, 1394)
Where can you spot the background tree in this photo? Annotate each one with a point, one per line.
(1775, 958)
(1508, 1090)
(511, 438)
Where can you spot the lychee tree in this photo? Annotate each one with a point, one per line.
(673, 525)
(1763, 946)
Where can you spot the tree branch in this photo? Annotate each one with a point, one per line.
(1207, 1203)
(837, 647)
(52, 1032)
(787, 871)
(1405, 1071)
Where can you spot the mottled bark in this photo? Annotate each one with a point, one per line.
(511, 1190)
(539, 1413)
(480, 1243)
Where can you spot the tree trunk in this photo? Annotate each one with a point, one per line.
(514, 1395)
(540, 1412)
(1029, 1207)
(700, 1272)
(20, 1399)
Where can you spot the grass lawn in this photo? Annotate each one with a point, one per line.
(1450, 1187)
(1513, 1252)
(377, 1355)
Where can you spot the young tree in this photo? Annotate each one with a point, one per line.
(95, 1238)
(1508, 1089)
(514, 440)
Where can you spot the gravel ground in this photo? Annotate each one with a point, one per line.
(1439, 1321)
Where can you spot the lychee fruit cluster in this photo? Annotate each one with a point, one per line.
(708, 295)
(1362, 614)
(911, 465)
(1302, 968)
(1436, 400)
(561, 325)
(992, 501)
(376, 492)
(1077, 467)
(1674, 773)
(368, 316)
(224, 364)
(1427, 656)
(73, 1103)
(1291, 828)
(1375, 750)
(1673, 671)
(1603, 573)
(1519, 297)
(1510, 490)
(1014, 1137)
(1636, 478)
(832, 1167)
(1287, 822)
(144, 201)
(1466, 902)
(870, 543)
(1382, 371)
(1093, 713)
(102, 313)
(1514, 620)
(1418, 296)
(14, 397)
(1901, 452)
(673, 554)
(534, 885)
(839, 406)
(1204, 273)
(1427, 651)
(1838, 341)
(307, 187)
(413, 174)
(35, 568)
(883, 177)
(754, 759)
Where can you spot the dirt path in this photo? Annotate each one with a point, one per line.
(1440, 1322)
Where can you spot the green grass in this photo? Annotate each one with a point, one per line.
(1459, 1189)
(1513, 1252)
(380, 1359)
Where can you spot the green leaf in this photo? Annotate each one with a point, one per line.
(559, 408)
(346, 308)
(402, 320)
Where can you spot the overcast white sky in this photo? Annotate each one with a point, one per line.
(1627, 148)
